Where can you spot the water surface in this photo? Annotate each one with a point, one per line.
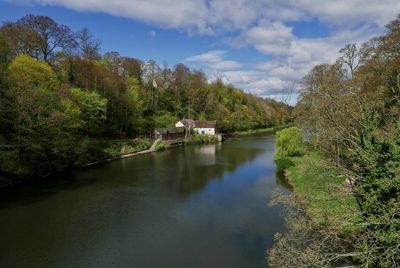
(195, 206)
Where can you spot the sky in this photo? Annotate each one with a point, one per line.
(264, 47)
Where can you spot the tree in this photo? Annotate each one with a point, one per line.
(5, 57)
(31, 100)
(132, 67)
(350, 57)
(289, 142)
(355, 120)
(92, 110)
(88, 45)
(50, 35)
(21, 39)
(53, 115)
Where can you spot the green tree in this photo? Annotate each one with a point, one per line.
(289, 142)
(92, 110)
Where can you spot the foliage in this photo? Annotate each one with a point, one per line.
(48, 36)
(307, 243)
(28, 73)
(202, 138)
(350, 111)
(165, 120)
(329, 197)
(116, 148)
(379, 195)
(289, 142)
(61, 100)
(92, 109)
(162, 145)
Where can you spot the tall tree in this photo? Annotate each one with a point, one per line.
(22, 40)
(51, 35)
(88, 44)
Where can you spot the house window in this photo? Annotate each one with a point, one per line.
(203, 132)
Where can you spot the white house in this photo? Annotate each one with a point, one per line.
(187, 123)
(205, 127)
(199, 126)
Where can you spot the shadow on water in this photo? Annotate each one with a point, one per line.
(195, 206)
(283, 181)
(182, 170)
(281, 177)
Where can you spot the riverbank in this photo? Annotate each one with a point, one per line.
(324, 186)
(133, 208)
(322, 217)
(269, 130)
(112, 150)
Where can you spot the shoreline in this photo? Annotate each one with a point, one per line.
(270, 130)
(15, 182)
(312, 176)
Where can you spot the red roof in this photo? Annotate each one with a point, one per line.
(205, 124)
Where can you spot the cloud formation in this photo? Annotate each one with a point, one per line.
(214, 60)
(209, 16)
(262, 24)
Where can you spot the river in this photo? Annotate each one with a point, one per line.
(194, 206)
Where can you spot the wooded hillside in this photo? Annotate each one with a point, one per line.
(60, 97)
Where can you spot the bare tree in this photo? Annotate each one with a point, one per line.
(88, 44)
(350, 57)
(51, 36)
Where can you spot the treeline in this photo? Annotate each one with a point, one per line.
(350, 111)
(59, 98)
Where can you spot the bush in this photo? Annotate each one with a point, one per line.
(284, 163)
(162, 145)
(289, 142)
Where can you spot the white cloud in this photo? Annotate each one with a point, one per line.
(262, 24)
(210, 56)
(272, 38)
(225, 65)
(213, 60)
(209, 16)
(292, 57)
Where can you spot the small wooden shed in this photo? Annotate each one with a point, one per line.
(168, 133)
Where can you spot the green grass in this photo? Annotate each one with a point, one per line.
(330, 200)
(201, 138)
(258, 130)
(115, 148)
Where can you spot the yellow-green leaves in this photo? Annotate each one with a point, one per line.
(26, 73)
(289, 142)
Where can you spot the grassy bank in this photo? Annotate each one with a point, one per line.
(193, 139)
(328, 195)
(256, 131)
(117, 148)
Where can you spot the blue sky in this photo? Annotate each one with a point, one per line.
(261, 46)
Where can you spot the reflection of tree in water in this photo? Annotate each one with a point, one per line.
(180, 170)
(197, 165)
(282, 180)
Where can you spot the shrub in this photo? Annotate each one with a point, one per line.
(289, 142)
(162, 145)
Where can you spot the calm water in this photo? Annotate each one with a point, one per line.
(199, 206)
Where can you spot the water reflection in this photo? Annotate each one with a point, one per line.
(195, 206)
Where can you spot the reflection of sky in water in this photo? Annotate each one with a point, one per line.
(195, 206)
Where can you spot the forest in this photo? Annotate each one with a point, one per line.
(349, 116)
(61, 98)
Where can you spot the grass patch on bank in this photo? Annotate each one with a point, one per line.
(330, 199)
(115, 148)
(258, 131)
(201, 138)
